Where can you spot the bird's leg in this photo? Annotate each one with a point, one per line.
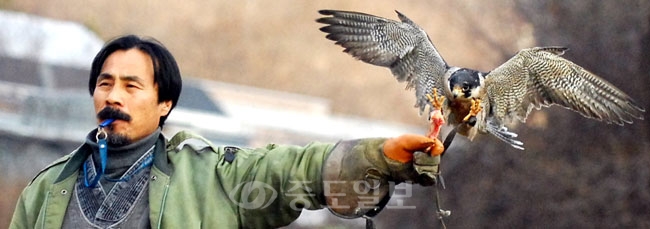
(473, 111)
(435, 117)
(436, 100)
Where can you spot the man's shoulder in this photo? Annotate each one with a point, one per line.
(194, 140)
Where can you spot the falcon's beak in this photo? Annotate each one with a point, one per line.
(457, 91)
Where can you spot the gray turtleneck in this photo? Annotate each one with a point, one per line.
(120, 159)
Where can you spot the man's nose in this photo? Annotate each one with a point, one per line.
(115, 97)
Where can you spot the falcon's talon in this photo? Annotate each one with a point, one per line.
(474, 109)
(436, 118)
(436, 100)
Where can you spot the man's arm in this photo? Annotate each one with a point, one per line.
(352, 178)
(271, 185)
(19, 219)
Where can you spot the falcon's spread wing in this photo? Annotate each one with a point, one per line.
(539, 77)
(401, 46)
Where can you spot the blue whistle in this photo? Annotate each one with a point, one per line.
(107, 122)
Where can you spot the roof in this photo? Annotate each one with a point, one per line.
(50, 41)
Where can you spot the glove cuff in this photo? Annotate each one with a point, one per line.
(356, 179)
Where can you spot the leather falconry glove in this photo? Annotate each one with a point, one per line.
(359, 174)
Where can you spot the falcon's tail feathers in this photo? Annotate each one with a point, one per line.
(502, 133)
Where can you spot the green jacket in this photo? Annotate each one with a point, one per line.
(211, 187)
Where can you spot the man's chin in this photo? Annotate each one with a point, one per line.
(117, 140)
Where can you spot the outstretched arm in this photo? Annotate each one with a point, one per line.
(272, 185)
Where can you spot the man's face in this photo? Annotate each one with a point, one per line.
(126, 84)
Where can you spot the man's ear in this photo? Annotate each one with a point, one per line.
(165, 107)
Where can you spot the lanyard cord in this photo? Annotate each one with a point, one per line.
(103, 153)
(441, 182)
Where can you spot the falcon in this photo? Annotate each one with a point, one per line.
(474, 101)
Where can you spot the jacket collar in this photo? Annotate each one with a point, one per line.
(79, 155)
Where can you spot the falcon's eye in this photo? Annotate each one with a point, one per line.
(465, 87)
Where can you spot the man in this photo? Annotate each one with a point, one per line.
(128, 175)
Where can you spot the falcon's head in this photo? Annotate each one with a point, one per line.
(465, 83)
